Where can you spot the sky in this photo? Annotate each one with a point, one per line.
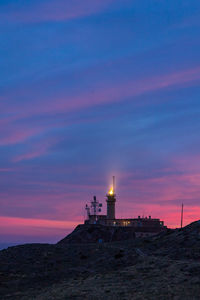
(91, 89)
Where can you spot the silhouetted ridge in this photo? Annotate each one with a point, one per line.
(84, 234)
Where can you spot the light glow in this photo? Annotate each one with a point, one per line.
(110, 192)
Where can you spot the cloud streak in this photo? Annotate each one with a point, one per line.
(38, 149)
(20, 229)
(106, 94)
(49, 11)
(15, 136)
(31, 154)
(117, 92)
(30, 222)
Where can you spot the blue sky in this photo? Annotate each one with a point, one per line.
(91, 89)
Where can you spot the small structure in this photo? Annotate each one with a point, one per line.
(143, 226)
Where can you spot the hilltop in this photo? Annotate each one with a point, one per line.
(85, 234)
(166, 266)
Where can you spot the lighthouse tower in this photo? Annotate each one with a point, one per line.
(111, 199)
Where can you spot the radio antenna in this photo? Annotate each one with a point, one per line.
(182, 216)
(113, 184)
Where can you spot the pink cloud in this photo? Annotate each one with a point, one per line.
(37, 149)
(59, 10)
(35, 227)
(168, 188)
(133, 88)
(153, 196)
(49, 228)
(30, 222)
(12, 135)
(117, 92)
(31, 155)
(169, 213)
(161, 196)
(6, 170)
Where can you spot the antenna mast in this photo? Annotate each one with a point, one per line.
(113, 184)
(182, 216)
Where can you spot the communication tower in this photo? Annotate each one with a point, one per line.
(94, 209)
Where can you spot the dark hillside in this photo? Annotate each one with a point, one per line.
(85, 234)
(178, 244)
(166, 266)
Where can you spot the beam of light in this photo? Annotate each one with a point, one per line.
(110, 192)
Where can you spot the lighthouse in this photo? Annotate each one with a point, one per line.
(140, 227)
(111, 199)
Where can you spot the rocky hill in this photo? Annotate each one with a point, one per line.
(166, 266)
(85, 234)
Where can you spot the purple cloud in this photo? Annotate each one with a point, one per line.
(14, 133)
(106, 94)
(50, 11)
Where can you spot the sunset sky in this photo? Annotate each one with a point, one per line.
(91, 89)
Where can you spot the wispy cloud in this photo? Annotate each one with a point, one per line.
(12, 227)
(13, 132)
(37, 149)
(30, 222)
(12, 135)
(119, 92)
(59, 10)
(31, 154)
(106, 94)
(2, 170)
